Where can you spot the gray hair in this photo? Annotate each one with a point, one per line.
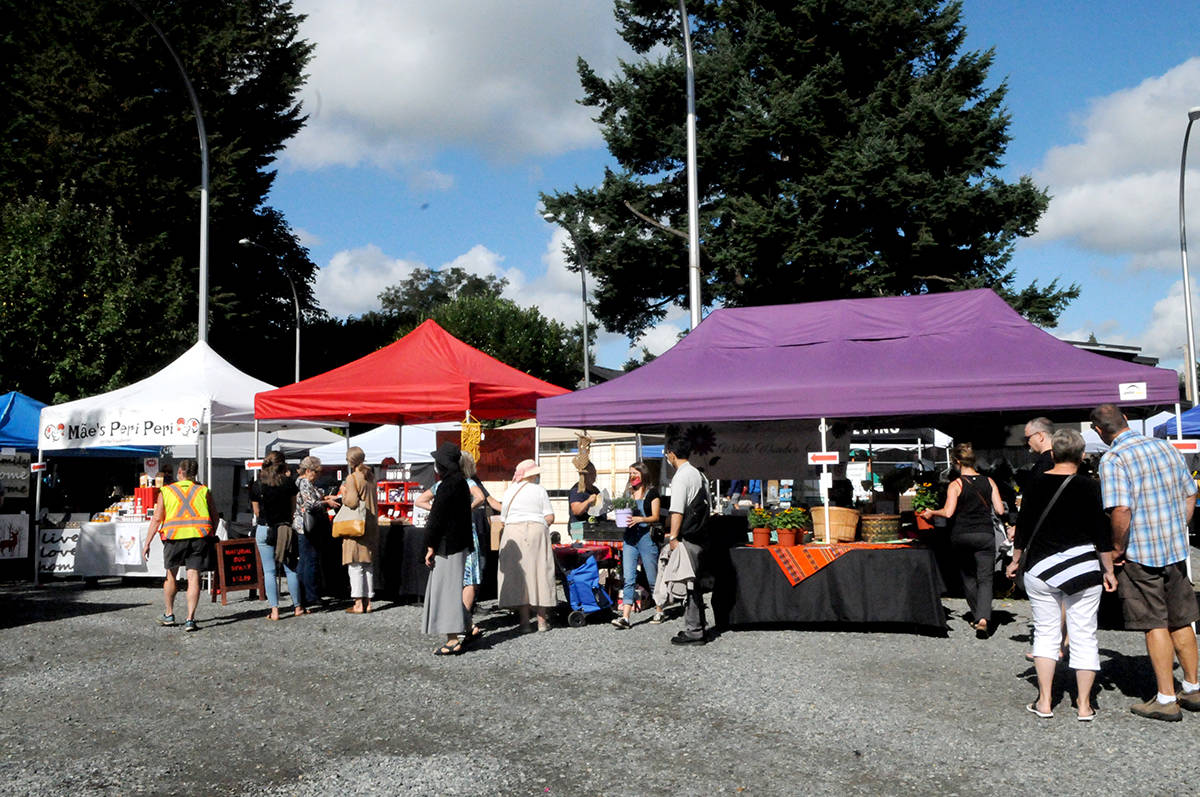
(310, 463)
(1041, 425)
(467, 463)
(1067, 446)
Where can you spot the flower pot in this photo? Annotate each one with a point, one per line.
(787, 537)
(923, 524)
(622, 516)
(762, 537)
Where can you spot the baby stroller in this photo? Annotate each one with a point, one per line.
(584, 593)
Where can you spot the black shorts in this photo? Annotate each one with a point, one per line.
(1156, 597)
(195, 553)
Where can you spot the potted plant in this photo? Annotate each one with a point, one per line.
(760, 527)
(925, 498)
(623, 510)
(789, 524)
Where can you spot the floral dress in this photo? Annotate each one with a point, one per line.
(309, 496)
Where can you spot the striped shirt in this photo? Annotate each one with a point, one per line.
(1071, 570)
(1149, 477)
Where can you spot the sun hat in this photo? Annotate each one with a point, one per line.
(525, 469)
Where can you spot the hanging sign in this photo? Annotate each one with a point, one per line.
(823, 457)
(115, 426)
(1132, 391)
(37, 467)
(14, 536)
(254, 464)
(1187, 446)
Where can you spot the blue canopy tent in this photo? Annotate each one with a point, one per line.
(1191, 425)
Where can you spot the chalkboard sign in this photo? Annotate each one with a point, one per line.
(238, 567)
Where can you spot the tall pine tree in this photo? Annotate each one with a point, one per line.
(844, 149)
(92, 107)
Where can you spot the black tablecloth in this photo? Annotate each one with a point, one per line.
(865, 586)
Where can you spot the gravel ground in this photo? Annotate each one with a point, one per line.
(97, 699)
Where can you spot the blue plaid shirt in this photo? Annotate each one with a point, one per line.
(1148, 476)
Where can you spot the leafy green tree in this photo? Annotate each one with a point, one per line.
(844, 149)
(68, 293)
(409, 302)
(92, 101)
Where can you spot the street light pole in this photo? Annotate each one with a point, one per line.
(202, 325)
(579, 250)
(693, 191)
(1190, 365)
(295, 298)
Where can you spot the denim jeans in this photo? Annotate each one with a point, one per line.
(638, 545)
(310, 559)
(267, 554)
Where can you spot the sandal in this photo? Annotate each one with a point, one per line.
(474, 635)
(449, 649)
(1033, 709)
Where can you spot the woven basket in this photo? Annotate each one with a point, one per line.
(843, 523)
(877, 528)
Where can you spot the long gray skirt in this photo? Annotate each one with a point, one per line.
(444, 612)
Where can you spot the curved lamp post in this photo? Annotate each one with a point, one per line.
(1193, 115)
(295, 297)
(579, 250)
(693, 191)
(202, 326)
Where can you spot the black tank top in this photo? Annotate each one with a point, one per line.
(973, 515)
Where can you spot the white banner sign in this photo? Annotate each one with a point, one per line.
(129, 544)
(14, 474)
(56, 550)
(14, 536)
(119, 427)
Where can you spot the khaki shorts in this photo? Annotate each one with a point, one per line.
(1156, 597)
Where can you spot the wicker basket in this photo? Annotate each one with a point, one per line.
(877, 528)
(843, 523)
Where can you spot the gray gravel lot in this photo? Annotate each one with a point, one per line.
(97, 699)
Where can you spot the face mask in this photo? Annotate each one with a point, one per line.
(635, 480)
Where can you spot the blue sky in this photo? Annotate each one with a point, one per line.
(434, 126)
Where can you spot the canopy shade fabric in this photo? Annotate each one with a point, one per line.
(168, 408)
(380, 443)
(946, 353)
(19, 420)
(1191, 425)
(428, 375)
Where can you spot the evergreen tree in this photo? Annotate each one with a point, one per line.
(93, 103)
(844, 149)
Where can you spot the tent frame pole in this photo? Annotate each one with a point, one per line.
(35, 541)
(1178, 423)
(825, 489)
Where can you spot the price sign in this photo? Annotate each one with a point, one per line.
(238, 567)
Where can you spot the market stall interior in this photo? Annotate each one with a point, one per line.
(793, 378)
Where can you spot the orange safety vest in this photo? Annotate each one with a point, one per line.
(186, 508)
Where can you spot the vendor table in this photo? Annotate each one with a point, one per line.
(864, 586)
(96, 552)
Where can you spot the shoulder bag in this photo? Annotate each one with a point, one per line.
(497, 521)
(1023, 565)
(350, 522)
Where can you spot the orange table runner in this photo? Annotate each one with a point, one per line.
(801, 561)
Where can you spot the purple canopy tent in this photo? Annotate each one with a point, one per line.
(928, 355)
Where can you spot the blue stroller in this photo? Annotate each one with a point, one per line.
(584, 593)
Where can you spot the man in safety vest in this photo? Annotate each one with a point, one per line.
(183, 517)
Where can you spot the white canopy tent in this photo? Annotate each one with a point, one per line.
(196, 397)
(383, 442)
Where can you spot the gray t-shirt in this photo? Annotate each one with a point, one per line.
(686, 484)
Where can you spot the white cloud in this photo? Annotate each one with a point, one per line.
(351, 282)
(394, 81)
(1117, 190)
(306, 238)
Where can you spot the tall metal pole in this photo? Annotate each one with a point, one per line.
(1190, 365)
(693, 191)
(583, 259)
(202, 325)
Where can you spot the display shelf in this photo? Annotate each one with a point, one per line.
(395, 499)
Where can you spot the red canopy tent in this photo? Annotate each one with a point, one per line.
(428, 375)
